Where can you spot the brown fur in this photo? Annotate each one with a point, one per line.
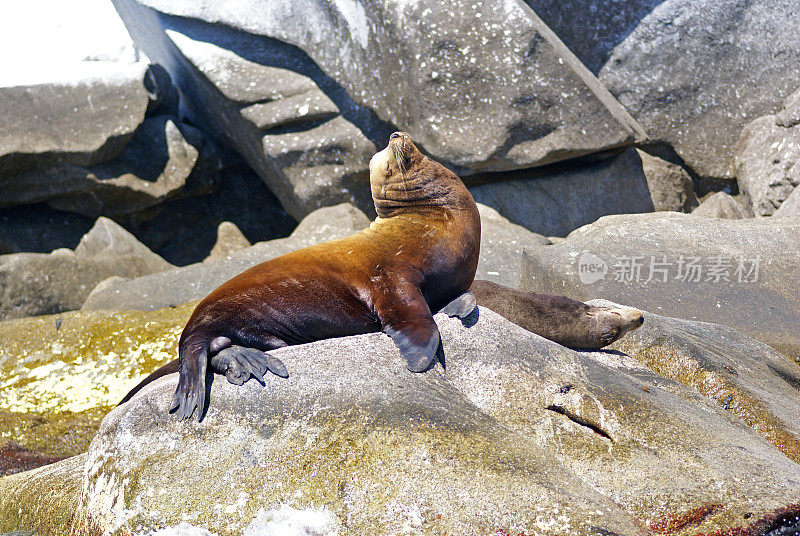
(418, 255)
(568, 322)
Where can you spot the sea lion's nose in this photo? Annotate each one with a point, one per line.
(399, 134)
(394, 135)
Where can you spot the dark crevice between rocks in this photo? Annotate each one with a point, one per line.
(271, 52)
(785, 525)
(575, 164)
(703, 186)
(579, 420)
(300, 124)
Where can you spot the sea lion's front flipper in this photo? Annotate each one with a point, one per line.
(406, 318)
(238, 363)
(461, 306)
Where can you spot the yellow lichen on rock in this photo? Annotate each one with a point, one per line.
(79, 363)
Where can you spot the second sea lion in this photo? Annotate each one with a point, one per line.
(568, 322)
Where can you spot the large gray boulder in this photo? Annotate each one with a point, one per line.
(502, 243)
(743, 376)
(518, 435)
(152, 168)
(592, 28)
(714, 270)
(694, 73)
(82, 120)
(82, 143)
(555, 203)
(37, 283)
(306, 91)
(767, 158)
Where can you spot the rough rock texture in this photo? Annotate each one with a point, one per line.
(51, 496)
(62, 374)
(309, 79)
(520, 434)
(153, 167)
(84, 120)
(195, 281)
(713, 270)
(694, 73)
(502, 243)
(767, 158)
(743, 376)
(229, 240)
(790, 207)
(670, 186)
(557, 203)
(38, 283)
(592, 28)
(722, 205)
(83, 144)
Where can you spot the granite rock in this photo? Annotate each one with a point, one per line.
(708, 269)
(722, 205)
(37, 283)
(767, 158)
(291, 88)
(516, 423)
(694, 73)
(557, 201)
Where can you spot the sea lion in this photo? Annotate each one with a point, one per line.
(420, 254)
(568, 322)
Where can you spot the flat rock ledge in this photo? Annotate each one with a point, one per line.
(517, 436)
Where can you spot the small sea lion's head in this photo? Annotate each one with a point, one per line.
(401, 176)
(614, 322)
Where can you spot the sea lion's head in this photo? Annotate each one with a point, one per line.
(401, 176)
(614, 322)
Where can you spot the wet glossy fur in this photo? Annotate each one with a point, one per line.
(419, 254)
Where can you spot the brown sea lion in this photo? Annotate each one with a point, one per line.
(568, 322)
(420, 254)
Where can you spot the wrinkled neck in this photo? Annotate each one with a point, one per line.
(398, 194)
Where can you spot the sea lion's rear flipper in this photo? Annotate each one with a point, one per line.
(461, 306)
(191, 391)
(406, 318)
(238, 363)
